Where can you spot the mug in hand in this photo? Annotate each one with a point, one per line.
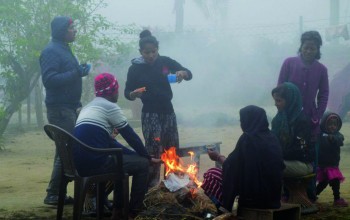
(172, 78)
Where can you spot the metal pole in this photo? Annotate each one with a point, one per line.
(334, 12)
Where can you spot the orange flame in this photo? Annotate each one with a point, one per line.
(173, 164)
(191, 154)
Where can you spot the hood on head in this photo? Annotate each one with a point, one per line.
(59, 27)
(325, 119)
(253, 119)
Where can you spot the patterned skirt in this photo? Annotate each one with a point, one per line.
(212, 183)
(160, 132)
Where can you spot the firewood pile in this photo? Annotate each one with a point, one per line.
(185, 203)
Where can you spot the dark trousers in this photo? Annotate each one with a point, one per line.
(64, 118)
(334, 183)
(311, 188)
(134, 166)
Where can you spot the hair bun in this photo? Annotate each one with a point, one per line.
(145, 33)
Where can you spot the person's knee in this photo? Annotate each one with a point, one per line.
(144, 164)
(139, 165)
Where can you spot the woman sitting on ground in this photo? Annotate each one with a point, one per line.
(252, 171)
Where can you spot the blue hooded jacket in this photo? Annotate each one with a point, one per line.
(60, 68)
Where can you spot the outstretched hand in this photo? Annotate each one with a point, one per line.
(114, 133)
(84, 69)
(156, 161)
(213, 155)
(181, 75)
(137, 93)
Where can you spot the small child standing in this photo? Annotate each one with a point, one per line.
(329, 156)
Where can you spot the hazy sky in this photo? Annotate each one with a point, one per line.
(160, 12)
(228, 74)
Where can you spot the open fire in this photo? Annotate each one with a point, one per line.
(178, 196)
(174, 165)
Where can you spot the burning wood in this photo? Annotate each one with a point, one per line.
(160, 203)
(179, 196)
(174, 164)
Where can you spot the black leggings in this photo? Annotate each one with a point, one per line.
(334, 183)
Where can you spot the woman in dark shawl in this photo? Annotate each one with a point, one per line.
(253, 170)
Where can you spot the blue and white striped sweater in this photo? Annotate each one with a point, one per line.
(94, 127)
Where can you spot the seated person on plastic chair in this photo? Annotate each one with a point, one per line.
(95, 125)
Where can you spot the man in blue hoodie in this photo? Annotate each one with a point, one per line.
(62, 79)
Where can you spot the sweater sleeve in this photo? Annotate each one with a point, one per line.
(152, 93)
(155, 93)
(175, 66)
(50, 69)
(283, 76)
(339, 139)
(322, 96)
(134, 141)
(116, 144)
(129, 84)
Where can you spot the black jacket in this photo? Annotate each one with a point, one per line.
(158, 95)
(330, 143)
(301, 148)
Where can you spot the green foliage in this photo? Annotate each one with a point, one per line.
(2, 115)
(2, 111)
(25, 30)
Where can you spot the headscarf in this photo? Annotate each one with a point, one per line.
(106, 85)
(284, 119)
(253, 119)
(59, 27)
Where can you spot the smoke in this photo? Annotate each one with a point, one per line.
(235, 58)
(226, 76)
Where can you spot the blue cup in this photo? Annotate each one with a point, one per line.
(172, 78)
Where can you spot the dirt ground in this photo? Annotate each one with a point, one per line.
(26, 163)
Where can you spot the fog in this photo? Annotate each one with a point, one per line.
(234, 52)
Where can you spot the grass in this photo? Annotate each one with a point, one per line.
(26, 163)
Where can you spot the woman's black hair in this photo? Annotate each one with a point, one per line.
(147, 38)
(312, 36)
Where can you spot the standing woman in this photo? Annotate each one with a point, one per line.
(149, 79)
(311, 77)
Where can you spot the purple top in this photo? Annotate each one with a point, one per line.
(312, 81)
